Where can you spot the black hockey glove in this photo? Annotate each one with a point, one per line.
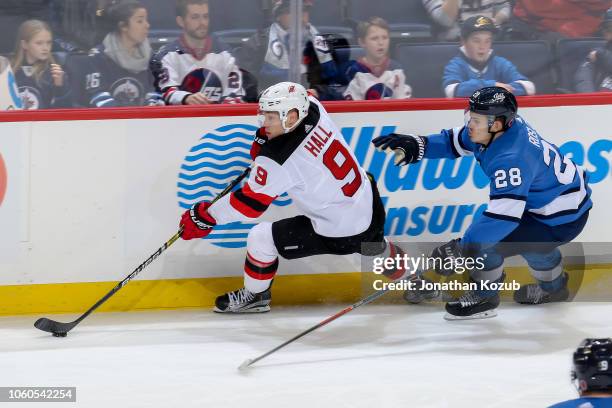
(408, 148)
(443, 254)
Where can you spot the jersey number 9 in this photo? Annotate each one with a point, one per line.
(341, 171)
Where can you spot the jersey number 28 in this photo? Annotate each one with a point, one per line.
(335, 152)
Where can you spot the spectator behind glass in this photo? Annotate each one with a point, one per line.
(375, 75)
(595, 75)
(552, 20)
(267, 52)
(450, 14)
(42, 82)
(118, 74)
(195, 69)
(477, 66)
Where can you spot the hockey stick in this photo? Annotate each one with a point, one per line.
(59, 329)
(249, 362)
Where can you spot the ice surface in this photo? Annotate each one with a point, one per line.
(376, 356)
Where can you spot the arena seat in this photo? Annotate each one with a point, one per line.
(232, 21)
(534, 59)
(408, 19)
(329, 18)
(424, 65)
(571, 53)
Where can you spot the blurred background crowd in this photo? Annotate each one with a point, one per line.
(103, 53)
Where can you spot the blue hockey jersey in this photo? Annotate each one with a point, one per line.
(462, 77)
(107, 84)
(42, 93)
(526, 173)
(585, 402)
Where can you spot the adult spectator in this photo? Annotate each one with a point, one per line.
(552, 20)
(595, 74)
(450, 14)
(118, 72)
(41, 80)
(375, 75)
(195, 69)
(267, 52)
(477, 66)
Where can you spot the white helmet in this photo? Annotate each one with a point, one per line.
(282, 98)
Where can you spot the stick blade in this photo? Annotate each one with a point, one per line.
(51, 326)
(245, 364)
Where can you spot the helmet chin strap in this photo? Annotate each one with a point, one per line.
(491, 134)
(289, 129)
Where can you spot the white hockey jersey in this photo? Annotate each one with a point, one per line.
(315, 166)
(180, 71)
(385, 82)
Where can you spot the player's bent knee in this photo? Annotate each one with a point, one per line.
(260, 243)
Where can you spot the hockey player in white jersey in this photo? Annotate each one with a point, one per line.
(195, 69)
(300, 152)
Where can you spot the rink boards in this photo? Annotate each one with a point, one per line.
(86, 196)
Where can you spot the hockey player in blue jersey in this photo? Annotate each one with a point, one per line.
(536, 196)
(477, 66)
(592, 375)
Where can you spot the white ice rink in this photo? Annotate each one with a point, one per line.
(376, 356)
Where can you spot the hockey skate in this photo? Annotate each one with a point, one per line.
(533, 294)
(418, 295)
(472, 305)
(243, 301)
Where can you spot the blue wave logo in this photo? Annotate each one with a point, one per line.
(218, 158)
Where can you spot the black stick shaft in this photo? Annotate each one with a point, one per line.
(54, 327)
(130, 276)
(330, 319)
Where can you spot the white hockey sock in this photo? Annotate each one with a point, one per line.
(261, 261)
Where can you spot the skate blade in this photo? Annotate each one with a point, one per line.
(259, 309)
(482, 315)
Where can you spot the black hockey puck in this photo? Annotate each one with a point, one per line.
(60, 334)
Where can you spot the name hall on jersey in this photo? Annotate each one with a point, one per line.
(316, 142)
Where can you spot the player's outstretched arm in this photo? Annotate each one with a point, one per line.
(448, 144)
(408, 149)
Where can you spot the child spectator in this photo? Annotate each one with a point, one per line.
(118, 73)
(375, 75)
(477, 66)
(42, 82)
